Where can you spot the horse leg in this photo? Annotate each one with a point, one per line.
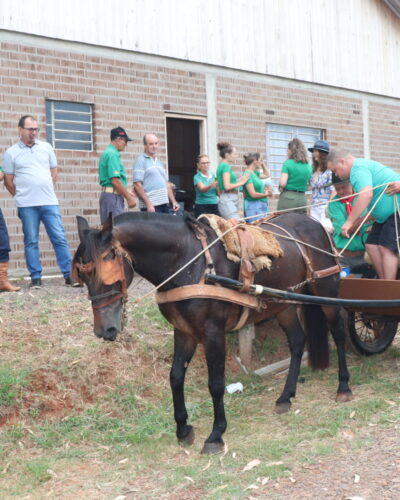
(184, 348)
(214, 345)
(336, 327)
(289, 322)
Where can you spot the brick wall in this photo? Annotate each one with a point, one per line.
(385, 133)
(244, 109)
(132, 95)
(137, 96)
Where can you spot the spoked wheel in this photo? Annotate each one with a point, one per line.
(370, 336)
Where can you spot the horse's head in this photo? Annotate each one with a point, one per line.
(105, 267)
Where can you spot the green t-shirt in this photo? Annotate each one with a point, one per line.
(338, 215)
(257, 184)
(209, 197)
(299, 175)
(371, 173)
(222, 168)
(110, 166)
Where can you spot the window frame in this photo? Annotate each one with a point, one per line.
(53, 124)
(307, 134)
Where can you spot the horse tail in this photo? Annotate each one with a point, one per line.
(316, 327)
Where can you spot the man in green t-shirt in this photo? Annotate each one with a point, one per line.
(370, 180)
(112, 177)
(339, 208)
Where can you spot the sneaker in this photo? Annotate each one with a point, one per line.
(35, 283)
(70, 282)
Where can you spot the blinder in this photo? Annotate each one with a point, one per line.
(110, 271)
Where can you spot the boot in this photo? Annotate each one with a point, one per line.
(5, 286)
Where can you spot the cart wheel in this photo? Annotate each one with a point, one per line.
(370, 336)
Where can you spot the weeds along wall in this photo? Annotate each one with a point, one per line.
(138, 91)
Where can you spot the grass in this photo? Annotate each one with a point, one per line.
(12, 382)
(89, 419)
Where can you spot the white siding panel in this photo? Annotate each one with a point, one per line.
(353, 44)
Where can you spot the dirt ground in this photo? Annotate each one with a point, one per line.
(371, 474)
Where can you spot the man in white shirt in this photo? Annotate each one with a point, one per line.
(30, 168)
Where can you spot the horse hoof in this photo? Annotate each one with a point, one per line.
(187, 440)
(282, 407)
(344, 397)
(213, 448)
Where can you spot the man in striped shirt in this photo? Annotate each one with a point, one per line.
(150, 180)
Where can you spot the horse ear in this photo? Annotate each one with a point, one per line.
(83, 227)
(108, 225)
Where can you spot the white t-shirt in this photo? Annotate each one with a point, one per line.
(31, 166)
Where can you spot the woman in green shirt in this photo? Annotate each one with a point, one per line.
(228, 184)
(295, 176)
(255, 190)
(205, 186)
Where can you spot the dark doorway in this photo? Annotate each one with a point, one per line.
(183, 143)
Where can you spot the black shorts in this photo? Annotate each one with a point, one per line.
(384, 234)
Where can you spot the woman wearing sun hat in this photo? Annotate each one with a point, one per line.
(320, 181)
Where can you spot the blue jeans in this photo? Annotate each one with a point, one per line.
(160, 209)
(256, 210)
(31, 218)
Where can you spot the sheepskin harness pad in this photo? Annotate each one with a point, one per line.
(248, 244)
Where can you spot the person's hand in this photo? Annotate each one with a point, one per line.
(345, 231)
(150, 207)
(214, 184)
(244, 179)
(131, 200)
(393, 188)
(175, 207)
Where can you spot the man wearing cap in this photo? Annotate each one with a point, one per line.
(369, 180)
(339, 209)
(150, 180)
(320, 181)
(112, 177)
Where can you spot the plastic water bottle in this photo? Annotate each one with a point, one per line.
(344, 272)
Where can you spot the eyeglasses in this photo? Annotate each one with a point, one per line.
(33, 130)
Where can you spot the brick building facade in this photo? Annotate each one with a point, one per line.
(139, 91)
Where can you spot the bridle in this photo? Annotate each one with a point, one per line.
(114, 273)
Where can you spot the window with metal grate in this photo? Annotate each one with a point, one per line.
(69, 125)
(277, 139)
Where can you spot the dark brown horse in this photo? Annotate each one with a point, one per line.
(157, 245)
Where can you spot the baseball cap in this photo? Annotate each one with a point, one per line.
(320, 145)
(335, 181)
(119, 132)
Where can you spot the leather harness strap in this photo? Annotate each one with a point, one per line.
(201, 235)
(216, 293)
(247, 270)
(200, 291)
(323, 273)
